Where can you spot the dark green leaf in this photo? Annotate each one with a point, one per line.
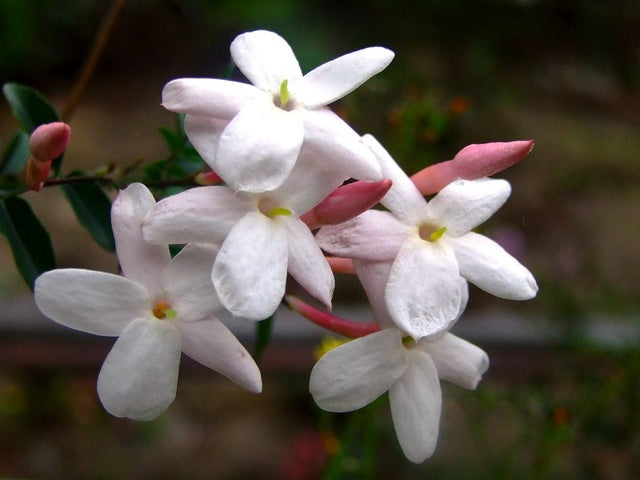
(93, 209)
(264, 328)
(173, 140)
(29, 241)
(29, 106)
(15, 157)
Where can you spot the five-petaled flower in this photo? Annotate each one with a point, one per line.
(160, 307)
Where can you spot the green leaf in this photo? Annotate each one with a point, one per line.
(29, 241)
(30, 107)
(93, 209)
(15, 157)
(264, 328)
(173, 140)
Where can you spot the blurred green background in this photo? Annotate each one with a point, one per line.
(560, 400)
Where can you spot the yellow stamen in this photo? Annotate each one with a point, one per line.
(163, 310)
(328, 343)
(278, 211)
(284, 93)
(437, 234)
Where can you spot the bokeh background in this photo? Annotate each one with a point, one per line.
(560, 399)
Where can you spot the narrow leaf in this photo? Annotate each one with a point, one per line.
(29, 241)
(29, 106)
(93, 210)
(15, 157)
(264, 328)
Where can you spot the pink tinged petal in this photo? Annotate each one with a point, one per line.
(341, 265)
(487, 265)
(374, 235)
(463, 205)
(333, 80)
(250, 271)
(208, 97)
(307, 263)
(374, 276)
(201, 214)
(265, 58)
(139, 376)
(94, 302)
(211, 343)
(140, 261)
(457, 360)
(416, 402)
(404, 200)
(204, 133)
(187, 283)
(355, 374)
(423, 291)
(332, 139)
(259, 148)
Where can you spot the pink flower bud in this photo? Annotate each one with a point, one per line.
(329, 321)
(47, 142)
(346, 202)
(472, 162)
(207, 178)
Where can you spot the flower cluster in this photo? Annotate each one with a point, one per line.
(283, 158)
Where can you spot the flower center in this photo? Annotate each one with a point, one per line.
(269, 208)
(430, 233)
(162, 310)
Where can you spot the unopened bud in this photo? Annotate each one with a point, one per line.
(472, 162)
(47, 142)
(207, 178)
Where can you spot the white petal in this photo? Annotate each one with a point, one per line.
(208, 97)
(259, 148)
(457, 360)
(201, 214)
(373, 276)
(187, 282)
(416, 402)
(463, 205)
(139, 376)
(487, 265)
(423, 294)
(140, 261)
(213, 345)
(250, 271)
(93, 302)
(373, 235)
(333, 80)
(355, 374)
(332, 139)
(204, 133)
(307, 263)
(265, 58)
(403, 199)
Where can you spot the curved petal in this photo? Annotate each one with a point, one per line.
(201, 214)
(204, 133)
(213, 345)
(457, 360)
(187, 283)
(487, 265)
(307, 263)
(333, 80)
(94, 302)
(403, 199)
(332, 139)
(373, 235)
(250, 271)
(464, 204)
(355, 374)
(140, 261)
(373, 276)
(423, 291)
(139, 376)
(416, 401)
(208, 97)
(265, 58)
(259, 148)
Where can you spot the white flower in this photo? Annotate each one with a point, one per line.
(265, 124)
(159, 308)
(430, 245)
(261, 238)
(355, 374)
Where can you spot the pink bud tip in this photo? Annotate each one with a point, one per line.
(207, 178)
(472, 162)
(341, 265)
(329, 321)
(346, 202)
(47, 142)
